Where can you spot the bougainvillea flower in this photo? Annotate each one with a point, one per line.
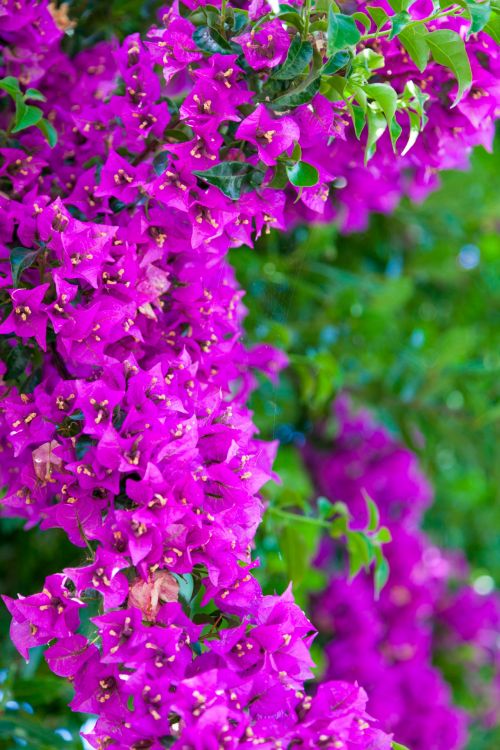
(29, 315)
(271, 136)
(266, 47)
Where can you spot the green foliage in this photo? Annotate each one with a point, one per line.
(369, 103)
(302, 174)
(403, 318)
(232, 177)
(294, 523)
(448, 49)
(412, 37)
(299, 56)
(210, 40)
(21, 258)
(26, 115)
(342, 32)
(478, 12)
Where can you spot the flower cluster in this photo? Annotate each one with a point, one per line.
(390, 644)
(123, 416)
(127, 426)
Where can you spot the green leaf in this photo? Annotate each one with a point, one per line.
(342, 32)
(301, 94)
(297, 152)
(414, 131)
(359, 551)
(205, 15)
(399, 5)
(186, 585)
(10, 85)
(184, 10)
(479, 14)
(179, 136)
(232, 177)
(240, 20)
(378, 14)
(416, 99)
(492, 28)
(26, 117)
(448, 49)
(398, 746)
(209, 40)
(413, 39)
(294, 551)
(340, 508)
(21, 258)
(302, 174)
(377, 125)
(381, 575)
(385, 96)
(325, 508)
(49, 132)
(335, 63)
(363, 19)
(70, 427)
(173, 107)
(395, 131)
(360, 96)
(338, 527)
(35, 94)
(399, 22)
(369, 60)
(286, 8)
(359, 119)
(373, 514)
(291, 16)
(391, 297)
(323, 6)
(299, 56)
(383, 536)
(41, 690)
(333, 87)
(280, 177)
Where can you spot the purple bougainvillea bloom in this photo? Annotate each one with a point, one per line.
(265, 48)
(389, 645)
(29, 315)
(271, 136)
(39, 618)
(67, 656)
(104, 576)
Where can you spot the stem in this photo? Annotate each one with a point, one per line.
(84, 537)
(296, 518)
(307, 16)
(223, 13)
(433, 17)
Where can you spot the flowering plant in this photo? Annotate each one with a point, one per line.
(124, 417)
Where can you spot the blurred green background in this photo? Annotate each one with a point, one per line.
(405, 317)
